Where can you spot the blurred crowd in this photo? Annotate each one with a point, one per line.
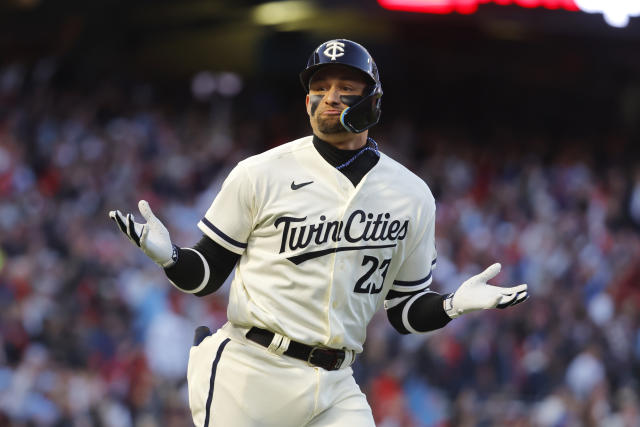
(92, 333)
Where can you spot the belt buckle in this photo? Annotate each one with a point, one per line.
(332, 365)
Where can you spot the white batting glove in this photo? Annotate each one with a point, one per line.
(152, 237)
(475, 294)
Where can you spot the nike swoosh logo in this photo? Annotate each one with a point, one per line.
(295, 186)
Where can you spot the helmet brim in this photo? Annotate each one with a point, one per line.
(308, 73)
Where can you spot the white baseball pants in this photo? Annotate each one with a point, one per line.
(234, 382)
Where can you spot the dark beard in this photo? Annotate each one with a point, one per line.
(331, 126)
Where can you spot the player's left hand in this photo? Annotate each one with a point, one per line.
(153, 237)
(476, 294)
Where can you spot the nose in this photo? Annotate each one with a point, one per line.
(333, 96)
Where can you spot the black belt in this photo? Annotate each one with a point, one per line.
(326, 358)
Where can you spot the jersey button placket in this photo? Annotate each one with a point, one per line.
(338, 267)
(339, 277)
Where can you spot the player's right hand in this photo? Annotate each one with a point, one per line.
(153, 237)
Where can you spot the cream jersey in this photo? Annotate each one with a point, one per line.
(318, 255)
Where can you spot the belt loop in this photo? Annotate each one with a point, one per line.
(353, 357)
(284, 345)
(350, 357)
(279, 344)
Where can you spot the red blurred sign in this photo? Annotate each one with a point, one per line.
(470, 6)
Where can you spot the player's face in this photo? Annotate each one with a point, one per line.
(331, 90)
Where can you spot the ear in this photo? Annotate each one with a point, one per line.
(306, 103)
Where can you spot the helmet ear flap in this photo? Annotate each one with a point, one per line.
(363, 114)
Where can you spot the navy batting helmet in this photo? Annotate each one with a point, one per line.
(365, 112)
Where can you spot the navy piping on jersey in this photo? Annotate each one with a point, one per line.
(226, 238)
(212, 379)
(416, 282)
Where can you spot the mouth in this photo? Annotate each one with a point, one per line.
(331, 112)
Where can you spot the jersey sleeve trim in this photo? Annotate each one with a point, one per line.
(223, 236)
(401, 286)
(413, 282)
(414, 285)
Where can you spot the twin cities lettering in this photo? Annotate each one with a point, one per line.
(362, 230)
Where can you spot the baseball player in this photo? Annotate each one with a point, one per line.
(322, 231)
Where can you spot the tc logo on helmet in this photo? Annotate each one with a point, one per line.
(335, 49)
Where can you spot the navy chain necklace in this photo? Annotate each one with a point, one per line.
(373, 147)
